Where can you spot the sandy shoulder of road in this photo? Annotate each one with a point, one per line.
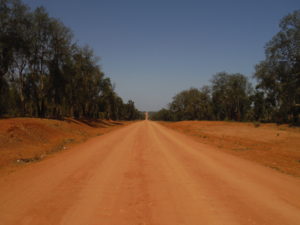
(271, 145)
(24, 141)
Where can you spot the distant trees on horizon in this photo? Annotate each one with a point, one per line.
(44, 73)
(276, 97)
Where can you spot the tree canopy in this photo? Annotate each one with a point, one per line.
(278, 75)
(44, 73)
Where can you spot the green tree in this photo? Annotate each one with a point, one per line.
(44, 73)
(163, 114)
(14, 25)
(192, 104)
(278, 75)
(231, 96)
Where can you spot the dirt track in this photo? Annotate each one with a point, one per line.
(147, 174)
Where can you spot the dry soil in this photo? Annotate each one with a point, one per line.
(146, 174)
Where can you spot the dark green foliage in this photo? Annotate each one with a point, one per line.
(230, 96)
(44, 73)
(192, 104)
(163, 114)
(279, 74)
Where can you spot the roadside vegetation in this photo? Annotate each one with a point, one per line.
(275, 97)
(45, 73)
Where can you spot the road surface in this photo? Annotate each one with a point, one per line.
(146, 174)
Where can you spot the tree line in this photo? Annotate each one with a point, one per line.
(275, 97)
(44, 73)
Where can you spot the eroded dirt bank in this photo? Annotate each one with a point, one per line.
(26, 140)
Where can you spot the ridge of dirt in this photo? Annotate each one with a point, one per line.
(275, 146)
(25, 140)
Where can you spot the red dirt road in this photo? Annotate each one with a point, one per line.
(146, 174)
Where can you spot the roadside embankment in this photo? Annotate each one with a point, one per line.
(25, 140)
(275, 146)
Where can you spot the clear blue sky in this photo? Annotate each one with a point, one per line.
(152, 49)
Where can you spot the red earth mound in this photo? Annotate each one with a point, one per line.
(275, 146)
(24, 140)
